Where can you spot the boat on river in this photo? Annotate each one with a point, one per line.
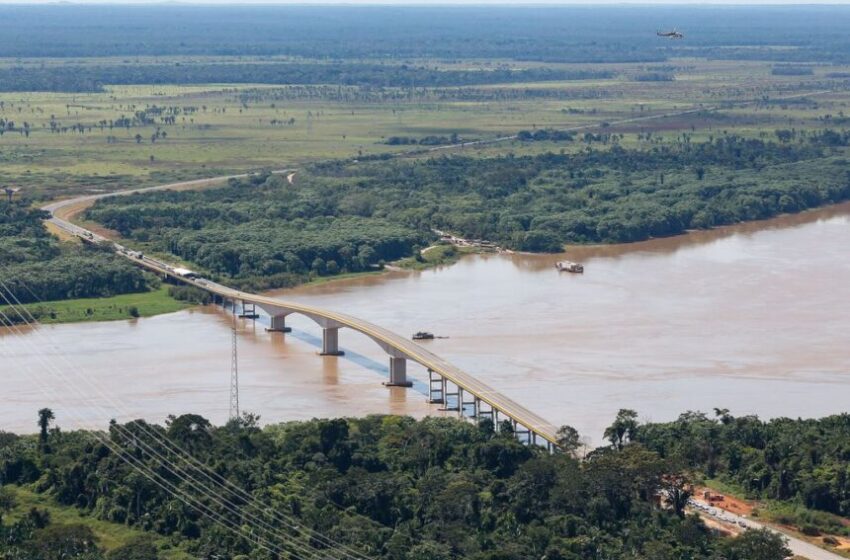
(422, 335)
(569, 266)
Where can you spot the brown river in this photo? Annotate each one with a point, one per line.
(753, 318)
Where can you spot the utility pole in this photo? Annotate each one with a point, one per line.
(234, 370)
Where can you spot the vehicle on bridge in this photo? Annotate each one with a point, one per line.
(186, 273)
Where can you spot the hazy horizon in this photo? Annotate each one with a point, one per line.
(420, 3)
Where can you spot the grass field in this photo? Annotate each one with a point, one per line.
(437, 255)
(219, 129)
(110, 535)
(74, 143)
(114, 308)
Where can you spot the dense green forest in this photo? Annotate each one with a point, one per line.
(804, 461)
(566, 33)
(343, 216)
(35, 266)
(390, 487)
(92, 77)
(261, 231)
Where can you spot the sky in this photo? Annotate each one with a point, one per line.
(444, 2)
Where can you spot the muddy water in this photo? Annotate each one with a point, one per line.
(753, 318)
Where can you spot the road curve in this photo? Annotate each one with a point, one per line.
(392, 343)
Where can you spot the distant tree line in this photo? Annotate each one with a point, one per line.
(423, 141)
(93, 77)
(545, 135)
(654, 77)
(784, 70)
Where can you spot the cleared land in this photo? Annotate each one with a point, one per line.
(125, 306)
(109, 535)
(130, 136)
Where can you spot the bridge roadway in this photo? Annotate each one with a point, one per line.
(443, 376)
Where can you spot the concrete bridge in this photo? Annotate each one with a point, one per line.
(448, 385)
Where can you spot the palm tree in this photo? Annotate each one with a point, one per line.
(623, 429)
(45, 415)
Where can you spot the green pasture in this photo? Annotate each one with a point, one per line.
(230, 133)
(122, 307)
(109, 535)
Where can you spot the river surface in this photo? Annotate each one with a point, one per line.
(753, 318)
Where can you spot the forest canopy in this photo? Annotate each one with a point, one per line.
(35, 266)
(344, 216)
(393, 488)
(804, 461)
(93, 77)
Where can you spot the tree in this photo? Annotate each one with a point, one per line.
(506, 428)
(677, 492)
(191, 431)
(45, 415)
(623, 429)
(757, 544)
(569, 439)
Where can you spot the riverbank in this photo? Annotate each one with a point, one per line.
(436, 255)
(701, 236)
(116, 308)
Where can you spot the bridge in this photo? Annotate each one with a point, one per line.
(450, 386)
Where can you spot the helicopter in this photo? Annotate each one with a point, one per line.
(671, 34)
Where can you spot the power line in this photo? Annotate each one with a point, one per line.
(136, 464)
(170, 487)
(205, 471)
(167, 463)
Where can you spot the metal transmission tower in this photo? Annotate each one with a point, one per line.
(234, 370)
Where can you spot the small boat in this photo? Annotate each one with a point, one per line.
(422, 335)
(568, 266)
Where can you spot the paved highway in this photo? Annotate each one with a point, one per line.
(798, 546)
(392, 343)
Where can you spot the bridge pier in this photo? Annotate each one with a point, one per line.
(330, 342)
(435, 395)
(464, 404)
(446, 394)
(398, 373)
(248, 312)
(278, 324)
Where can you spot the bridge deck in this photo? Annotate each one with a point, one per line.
(400, 344)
